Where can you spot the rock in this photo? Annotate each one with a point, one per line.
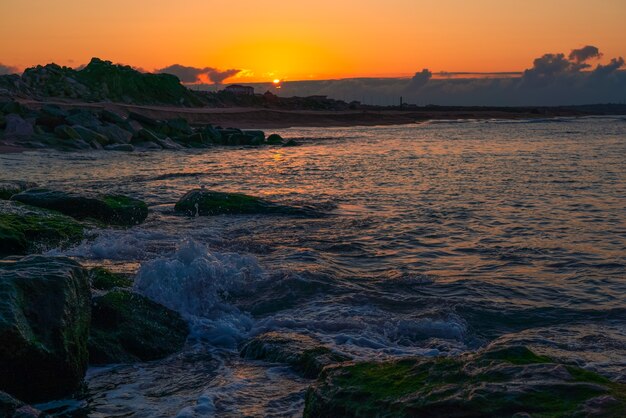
(14, 107)
(110, 209)
(501, 382)
(274, 139)
(144, 120)
(303, 353)
(179, 126)
(196, 140)
(290, 143)
(241, 139)
(147, 146)
(260, 135)
(207, 203)
(212, 134)
(13, 408)
(120, 147)
(84, 118)
(54, 111)
(24, 229)
(102, 279)
(3, 121)
(66, 132)
(10, 187)
(18, 128)
(167, 143)
(115, 134)
(148, 136)
(90, 136)
(112, 117)
(44, 326)
(128, 327)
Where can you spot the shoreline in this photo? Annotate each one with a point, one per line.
(263, 118)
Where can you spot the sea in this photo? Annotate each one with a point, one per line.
(433, 239)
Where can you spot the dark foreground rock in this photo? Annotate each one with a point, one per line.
(45, 311)
(498, 382)
(303, 353)
(110, 209)
(25, 229)
(207, 203)
(13, 408)
(103, 279)
(127, 327)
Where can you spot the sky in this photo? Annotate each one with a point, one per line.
(308, 40)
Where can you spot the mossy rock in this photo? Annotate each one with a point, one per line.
(9, 188)
(24, 229)
(127, 327)
(498, 383)
(109, 209)
(207, 203)
(274, 139)
(305, 354)
(45, 311)
(103, 279)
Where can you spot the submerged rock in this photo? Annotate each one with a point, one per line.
(274, 139)
(25, 229)
(110, 209)
(127, 327)
(305, 354)
(206, 203)
(10, 187)
(44, 326)
(494, 382)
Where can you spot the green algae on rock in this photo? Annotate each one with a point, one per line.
(25, 229)
(45, 312)
(109, 209)
(503, 382)
(128, 327)
(103, 279)
(305, 354)
(207, 203)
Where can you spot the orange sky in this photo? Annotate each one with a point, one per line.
(302, 39)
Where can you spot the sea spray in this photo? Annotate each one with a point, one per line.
(197, 283)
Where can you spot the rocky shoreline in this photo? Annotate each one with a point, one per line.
(53, 127)
(58, 317)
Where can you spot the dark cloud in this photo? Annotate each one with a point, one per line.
(193, 74)
(8, 69)
(610, 68)
(419, 80)
(584, 54)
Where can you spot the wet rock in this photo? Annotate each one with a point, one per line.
(17, 127)
(44, 327)
(66, 132)
(510, 381)
(54, 111)
(10, 187)
(128, 327)
(206, 203)
(103, 279)
(115, 134)
(110, 209)
(305, 354)
(147, 146)
(211, 134)
(290, 143)
(179, 126)
(83, 118)
(13, 408)
(90, 136)
(274, 139)
(144, 120)
(25, 229)
(196, 140)
(120, 147)
(112, 117)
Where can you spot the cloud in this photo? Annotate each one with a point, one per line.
(419, 79)
(610, 68)
(194, 74)
(584, 54)
(8, 69)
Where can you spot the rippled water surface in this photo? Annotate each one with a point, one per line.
(436, 239)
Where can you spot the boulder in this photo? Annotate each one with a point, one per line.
(90, 136)
(144, 120)
(103, 279)
(207, 203)
(494, 382)
(10, 187)
(290, 143)
(260, 135)
(305, 354)
(179, 126)
(274, 139)
(110, 209)
(212, 134)
(112, 117)
(128, 327)
(54, 111)
(25, 229)
(84, 118)
(115, 134)
(17, 127)
(44, 326)
(66, 132)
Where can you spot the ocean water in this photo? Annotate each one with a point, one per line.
(435, 239)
